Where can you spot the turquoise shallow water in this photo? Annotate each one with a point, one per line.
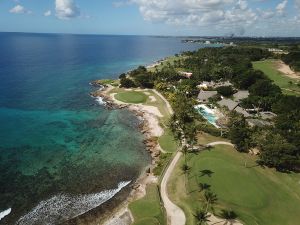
(58, 146)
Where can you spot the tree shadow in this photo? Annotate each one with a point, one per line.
(208, 173)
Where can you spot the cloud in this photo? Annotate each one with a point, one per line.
(281, 6)
(297, 2)
(241, 4)
(214, 16)
(47, 13)
(66, 9)
(179, 11)
(19, 9)
(224, 13)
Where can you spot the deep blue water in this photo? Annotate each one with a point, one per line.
(54, 138)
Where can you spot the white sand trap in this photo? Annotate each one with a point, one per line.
(152, 98)
(286, 70)
(147, 93)
(215, 220)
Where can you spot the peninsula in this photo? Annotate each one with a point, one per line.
(209, 121)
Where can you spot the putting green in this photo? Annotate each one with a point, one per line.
(131, 97)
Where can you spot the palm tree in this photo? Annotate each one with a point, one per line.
(185, 151)
(206, 173)
(228, 215)
(201, 217)
(185, 169)
(210, 199)
(203, 186)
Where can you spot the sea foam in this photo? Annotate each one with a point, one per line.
(5, 213)
(62, 207)
(100, 101)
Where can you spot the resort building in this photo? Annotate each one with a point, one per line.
(212, 84)
(186, 74)
(231, 105)
(267, 115)
(205, 85)
(204, 96)
(258, 123)
(222, 84)
(242, 111)
(240, 95)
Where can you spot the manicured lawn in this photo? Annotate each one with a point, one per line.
(167, 142)
(257, 195)
(205, 138)
(148, 211)
(110, 81)
(131, 97)
(269, 68)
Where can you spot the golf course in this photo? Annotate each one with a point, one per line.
(148, 209)
(288, 85)
(257, 195)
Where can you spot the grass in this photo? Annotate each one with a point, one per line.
(164, 158)
(148, 209)
(109, 81)
(257, 195)
(169, 60)
(167, 142)
(288, 85)
(131, 97)
(205, 138)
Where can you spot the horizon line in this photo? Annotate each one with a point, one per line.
(153, 35)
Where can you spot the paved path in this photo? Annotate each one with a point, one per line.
(175, 215)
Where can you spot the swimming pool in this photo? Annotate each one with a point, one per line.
(208, 114)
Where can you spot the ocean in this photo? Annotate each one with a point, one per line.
(61, 152)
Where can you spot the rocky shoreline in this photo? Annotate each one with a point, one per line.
(151, 140)
(148, 123)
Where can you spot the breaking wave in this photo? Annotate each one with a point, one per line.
(62, 207)
(100, 101)
(5, 213)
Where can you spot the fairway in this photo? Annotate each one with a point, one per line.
(134, 97)
(257, 195)
(167, 141)
(148, 211)
(288, 85)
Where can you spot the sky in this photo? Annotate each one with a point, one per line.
(153, 17)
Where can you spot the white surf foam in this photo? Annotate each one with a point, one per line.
(62, 207)
(100, 101)
(5, 213)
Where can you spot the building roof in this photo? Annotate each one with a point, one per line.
(241, 95)
(205, 95)
(186, 74)
(258, 123)
(242, 111)
(223, 83)
(267, 115)
(231, 105)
